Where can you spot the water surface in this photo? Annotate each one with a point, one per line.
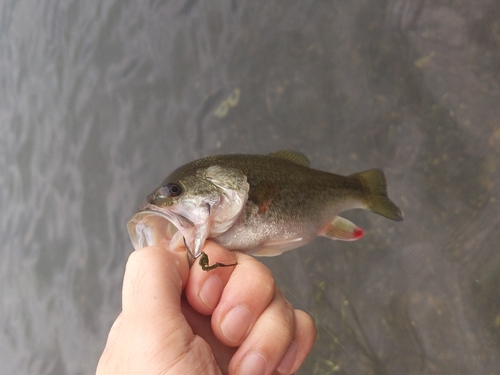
(99, 100)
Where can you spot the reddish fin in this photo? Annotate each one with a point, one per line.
(342, 229)
(263, 194)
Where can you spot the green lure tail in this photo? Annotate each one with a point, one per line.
(204, 263)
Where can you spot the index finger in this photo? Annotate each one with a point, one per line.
(204, 288)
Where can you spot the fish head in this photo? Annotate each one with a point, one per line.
(200, 203)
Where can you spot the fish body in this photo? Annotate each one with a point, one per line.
(265, 204)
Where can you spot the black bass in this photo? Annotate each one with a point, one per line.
(263, 204)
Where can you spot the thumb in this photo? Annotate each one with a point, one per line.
(153, 282)
(151, 333)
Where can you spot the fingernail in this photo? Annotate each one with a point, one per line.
(211, 291)
(286, 364)
(235, 323)
(253, 363)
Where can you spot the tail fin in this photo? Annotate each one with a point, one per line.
(373, 181)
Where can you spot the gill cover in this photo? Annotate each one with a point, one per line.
(214, 217)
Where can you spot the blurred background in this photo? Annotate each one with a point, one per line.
(101, 99)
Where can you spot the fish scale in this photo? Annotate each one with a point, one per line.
(265, 204)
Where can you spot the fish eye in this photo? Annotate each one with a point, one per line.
(173, 189)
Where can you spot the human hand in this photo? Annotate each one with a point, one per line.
(252, 328)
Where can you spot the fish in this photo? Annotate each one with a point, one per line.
(262, 205)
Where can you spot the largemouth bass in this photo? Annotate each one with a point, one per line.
(262, 204)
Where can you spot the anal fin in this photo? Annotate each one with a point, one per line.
(342, 229)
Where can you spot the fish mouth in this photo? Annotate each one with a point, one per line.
(151, 226)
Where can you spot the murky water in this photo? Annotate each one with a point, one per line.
(99, 100)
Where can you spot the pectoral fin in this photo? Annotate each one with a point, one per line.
(342, 229)
(263, 194)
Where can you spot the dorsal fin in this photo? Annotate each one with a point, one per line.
(293, 156)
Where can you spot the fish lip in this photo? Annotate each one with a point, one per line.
(152, 226)
(178, 220)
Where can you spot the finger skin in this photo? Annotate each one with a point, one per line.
(155, 330)
(151, 335)
(202, 327)
(273, 324)
(248, 286)
(270, 337)
(205, 300)
(304, 337)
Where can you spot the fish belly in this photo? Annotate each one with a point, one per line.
(262, 238)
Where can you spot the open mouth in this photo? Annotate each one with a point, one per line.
(150, 227)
